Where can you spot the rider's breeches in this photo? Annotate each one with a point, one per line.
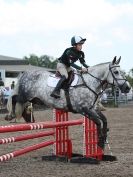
(63, 69)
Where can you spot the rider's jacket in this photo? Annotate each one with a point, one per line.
(70, 56)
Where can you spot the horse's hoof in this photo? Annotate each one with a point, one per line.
(7, 118)
(101, 142)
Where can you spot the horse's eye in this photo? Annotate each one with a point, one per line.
(116, 72)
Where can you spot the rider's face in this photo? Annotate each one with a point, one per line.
(79, 47)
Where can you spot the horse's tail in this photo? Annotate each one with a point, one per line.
(28, 112)
(17, 105)
(18, 110)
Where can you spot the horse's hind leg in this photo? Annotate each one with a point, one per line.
(28, 113)
(92, 115)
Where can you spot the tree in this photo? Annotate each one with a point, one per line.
(130, 77)
(131, 71)
(42, 61)
(33, 60)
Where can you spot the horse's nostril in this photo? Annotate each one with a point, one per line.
(127, 89)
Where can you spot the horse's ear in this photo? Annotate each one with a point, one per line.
(118, 61)
(114, 61)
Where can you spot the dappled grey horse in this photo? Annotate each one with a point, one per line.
(80, 98)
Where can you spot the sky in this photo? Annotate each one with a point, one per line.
(45, 27)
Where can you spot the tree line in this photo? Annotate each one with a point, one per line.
(42, 61)
(51, 62)
(129, 77)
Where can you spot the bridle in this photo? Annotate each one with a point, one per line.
(102, 83)
(115, 79)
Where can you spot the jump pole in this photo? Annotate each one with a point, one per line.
(25, 150)
(26, 137)
(33, 126)
(39, 125)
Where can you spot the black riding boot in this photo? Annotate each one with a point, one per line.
(56, 92)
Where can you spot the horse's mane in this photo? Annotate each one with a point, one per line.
(102, 64)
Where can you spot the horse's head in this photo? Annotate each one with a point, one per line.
(115, 76)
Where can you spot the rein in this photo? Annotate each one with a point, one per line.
(96, 94)
(102, 82)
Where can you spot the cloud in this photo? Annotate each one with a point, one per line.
(43, 15)
(122, 33)
(46, 26)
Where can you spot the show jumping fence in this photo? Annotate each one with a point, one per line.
(61, 141)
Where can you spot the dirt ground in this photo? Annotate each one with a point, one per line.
(120, 122)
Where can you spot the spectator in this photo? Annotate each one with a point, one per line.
(12, 85)
(1, 82)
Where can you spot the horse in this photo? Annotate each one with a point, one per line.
(80, 98)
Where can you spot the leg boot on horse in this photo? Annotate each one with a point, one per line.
(56, 92)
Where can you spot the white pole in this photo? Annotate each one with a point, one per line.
(31, 112)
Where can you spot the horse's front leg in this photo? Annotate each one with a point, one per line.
(104, 121)
(92, 115)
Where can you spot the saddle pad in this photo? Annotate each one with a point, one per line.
(53, 80)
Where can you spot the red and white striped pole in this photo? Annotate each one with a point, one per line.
(39, 125)
(25, 150)
(26, 137)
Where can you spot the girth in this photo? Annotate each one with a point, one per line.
(69, 105)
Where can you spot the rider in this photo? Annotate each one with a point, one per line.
(67, 60)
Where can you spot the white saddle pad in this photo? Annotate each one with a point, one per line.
(53, 80)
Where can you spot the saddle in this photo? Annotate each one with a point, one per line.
(69, 83)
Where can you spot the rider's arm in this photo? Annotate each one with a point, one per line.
(82, 60)
(85, 65)
(75, 66)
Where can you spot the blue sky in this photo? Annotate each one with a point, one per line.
(46, 27)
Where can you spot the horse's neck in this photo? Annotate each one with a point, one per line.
(93, 82)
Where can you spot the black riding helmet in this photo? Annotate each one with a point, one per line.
(77, 40)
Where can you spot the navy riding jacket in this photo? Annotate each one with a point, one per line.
(70, 56)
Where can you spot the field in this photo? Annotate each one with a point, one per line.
(120, 123)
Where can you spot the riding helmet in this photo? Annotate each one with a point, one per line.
(77, 40)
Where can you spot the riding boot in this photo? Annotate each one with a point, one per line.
(56, 92)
